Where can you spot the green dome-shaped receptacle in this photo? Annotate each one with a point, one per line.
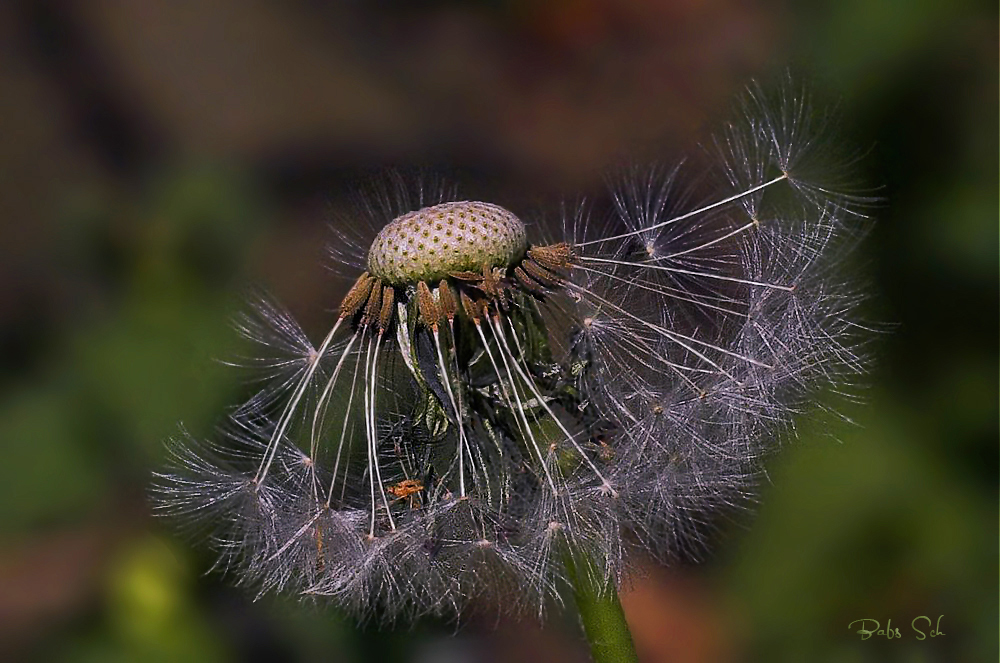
(433, 242)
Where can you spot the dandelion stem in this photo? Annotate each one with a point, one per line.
(601, 614)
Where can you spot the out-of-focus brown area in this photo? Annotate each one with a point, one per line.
(159, 158)
(675, 616)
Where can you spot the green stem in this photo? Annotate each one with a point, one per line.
(601, 615)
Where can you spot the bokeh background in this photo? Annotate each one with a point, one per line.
(158, 158)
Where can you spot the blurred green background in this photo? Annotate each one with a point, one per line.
(160, 158)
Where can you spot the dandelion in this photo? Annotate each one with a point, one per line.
(494, 414)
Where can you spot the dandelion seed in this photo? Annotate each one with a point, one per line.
(486, 404)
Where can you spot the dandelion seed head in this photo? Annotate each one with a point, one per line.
(431, 243)
(485, 401)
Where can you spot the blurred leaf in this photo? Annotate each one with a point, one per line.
(150, 613)
(46, 476)
(875, 527)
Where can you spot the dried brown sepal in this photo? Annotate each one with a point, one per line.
(356, 296)
(473, 308)
(480, 286)
(492, 283)
(504, 298)
(374, 306)
(529, 284)
(555, 257)
(484, 307)
(430, 314)
(388, 306)
(469, 277)
(446, 298)
(544, 276)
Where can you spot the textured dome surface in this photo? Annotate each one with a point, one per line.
(435, 241)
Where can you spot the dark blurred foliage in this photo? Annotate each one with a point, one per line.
(161, 158)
